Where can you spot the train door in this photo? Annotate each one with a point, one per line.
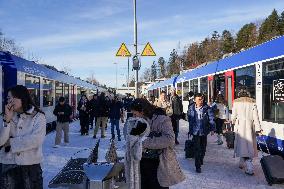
(230, 88)
(216, 85)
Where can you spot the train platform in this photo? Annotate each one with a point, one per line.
(220, 169)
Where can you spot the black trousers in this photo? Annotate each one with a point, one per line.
(148, 170)
(22, 177)
(200, 143)
(219, 125)
(84, 123)
(92, 117)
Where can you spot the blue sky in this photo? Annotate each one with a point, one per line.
(84, 35)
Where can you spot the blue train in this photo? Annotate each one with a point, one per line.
(259, 69)
(44, 84)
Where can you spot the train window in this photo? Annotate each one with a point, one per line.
(273, 93)
(204, 87)
(66, 92)
(58, 90)
(185, 89)
(245, 79)
(32, 83)
(194, 85)
(47, 92)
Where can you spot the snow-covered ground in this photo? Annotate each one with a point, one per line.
(220, 169)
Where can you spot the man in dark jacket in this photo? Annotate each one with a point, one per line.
(63, 111)
(103, 113)
(201, 123)
(92, 106)
(116, 112)
(177, 112)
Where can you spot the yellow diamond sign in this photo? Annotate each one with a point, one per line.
(148, 51)
(123, 51)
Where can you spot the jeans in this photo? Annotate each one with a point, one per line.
(115, 122)
(200, 143)
(22, 177)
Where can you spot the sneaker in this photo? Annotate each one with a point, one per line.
(198, 170)
(56, 146)
(177, 142)
(94, 136)
(119, 139)
(103, 136)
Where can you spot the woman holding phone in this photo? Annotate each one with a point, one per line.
(21, 139)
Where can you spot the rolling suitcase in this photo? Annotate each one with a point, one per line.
(189, 148)
(273, 167)
(230, 138)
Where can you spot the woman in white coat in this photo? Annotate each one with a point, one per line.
(21, 138)
(246, 120)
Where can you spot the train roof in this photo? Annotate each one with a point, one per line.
(32, 68)
(263, 52)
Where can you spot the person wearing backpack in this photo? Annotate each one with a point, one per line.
(201, 123)
(21, 139)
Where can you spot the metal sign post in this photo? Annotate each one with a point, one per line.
(135, 46)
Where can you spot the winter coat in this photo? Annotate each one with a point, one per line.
(176, 105)
(93, 107)
(116, 109)
(208, 123)
(223, 111)
(164, 105)
(66, 108)
(133, 152)
(26, 133)
(103, 107)
(83, 109)
(245, 118)
(169, 172)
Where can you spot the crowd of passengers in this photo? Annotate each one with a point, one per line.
(150, 132)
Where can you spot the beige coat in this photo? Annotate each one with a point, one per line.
(28, 132)
(164, 105)
(245, 118)
(169, 171)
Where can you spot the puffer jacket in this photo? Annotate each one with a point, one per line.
(25, 133)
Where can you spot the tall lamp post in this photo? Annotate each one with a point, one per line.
(135, 46)
(115, 76)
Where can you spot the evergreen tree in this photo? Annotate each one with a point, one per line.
(246, 37)
(228, 43)
(162, 65)
(281, 24)
(269, 28)
(153, 72)
(172, 67)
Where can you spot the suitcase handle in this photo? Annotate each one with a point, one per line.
(265, 146)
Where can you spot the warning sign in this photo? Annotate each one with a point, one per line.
(123, 51)
(148, 51)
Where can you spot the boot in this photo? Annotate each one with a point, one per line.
(242, 163)
(249, 167)
(220, 141)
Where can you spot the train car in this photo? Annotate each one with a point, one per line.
(45, 85)
(260, 70)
